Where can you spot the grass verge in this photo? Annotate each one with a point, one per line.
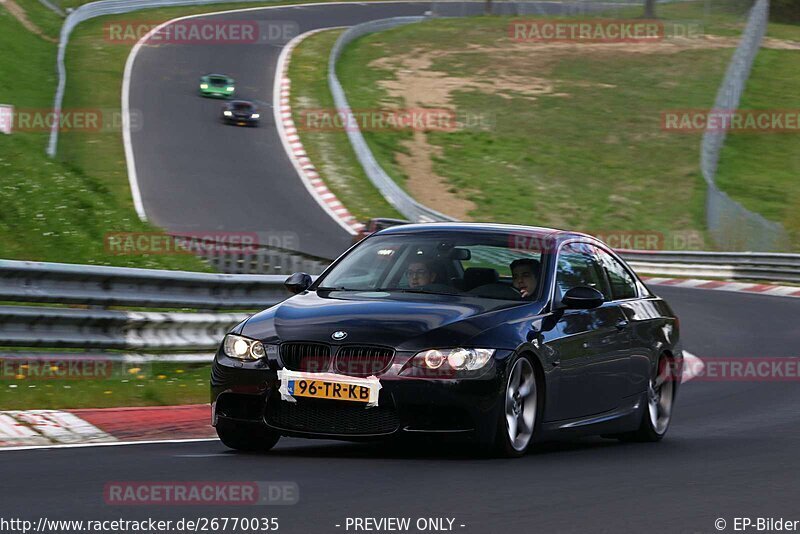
(156, 384)
(586, 151)
(53, 210)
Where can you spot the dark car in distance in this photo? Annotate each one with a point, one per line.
(241, 113)
(376, 225)
(421, 329)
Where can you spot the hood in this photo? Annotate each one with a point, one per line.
(405, 321)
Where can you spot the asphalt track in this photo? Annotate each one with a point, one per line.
(731, 451)
(198, 175)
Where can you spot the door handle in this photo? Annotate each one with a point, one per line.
(622, 324)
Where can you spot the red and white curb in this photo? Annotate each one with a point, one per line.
(287, 131)
(720, 285)
(48, 428)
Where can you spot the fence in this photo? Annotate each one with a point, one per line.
(773, 267)
(731, 225)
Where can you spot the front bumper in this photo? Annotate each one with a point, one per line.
(241, 121)
(216, 93)
(247, 392)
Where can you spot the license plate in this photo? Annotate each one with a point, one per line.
(329, 386)
(320, 389)
(241, 123)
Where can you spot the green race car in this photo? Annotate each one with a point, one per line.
(216, 85)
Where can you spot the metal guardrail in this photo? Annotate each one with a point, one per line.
(95, 288)
(23, 281)
(772, 267)
(25, 326)
(731, 225)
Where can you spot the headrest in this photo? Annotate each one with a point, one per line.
(479, 276)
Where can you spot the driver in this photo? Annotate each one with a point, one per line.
(525, 276)
(419, 274)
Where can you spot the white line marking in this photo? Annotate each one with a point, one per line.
(108, 444)
(212, 455)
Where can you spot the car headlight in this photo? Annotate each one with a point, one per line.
(227, 113)
(229, 89)
(203, 86)
(244, 348)
(255, 116)
(459, 359)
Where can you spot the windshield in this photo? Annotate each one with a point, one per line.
(219, 81)
(467, 264)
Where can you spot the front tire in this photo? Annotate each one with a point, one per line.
(519, 414)
(246, 437)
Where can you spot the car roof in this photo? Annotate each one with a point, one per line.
(510, 229)
(240, 102)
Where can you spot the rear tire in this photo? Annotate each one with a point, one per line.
(660, 398)
(246, 437)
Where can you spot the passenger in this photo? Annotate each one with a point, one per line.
(420, 274)
(525, 276)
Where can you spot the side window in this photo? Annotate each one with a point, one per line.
(623, 285)
(578, 267)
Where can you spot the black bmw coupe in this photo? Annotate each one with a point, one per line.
(503, 335)
(240, 113)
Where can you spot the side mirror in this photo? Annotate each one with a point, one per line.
(298, 282)
(582, 298)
